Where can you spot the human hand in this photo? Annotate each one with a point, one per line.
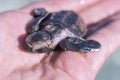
(16, 64)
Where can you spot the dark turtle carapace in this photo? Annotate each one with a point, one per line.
(63, 29)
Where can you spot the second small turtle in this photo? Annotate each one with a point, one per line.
(64, 29)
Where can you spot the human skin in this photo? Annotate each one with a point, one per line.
(17, 64)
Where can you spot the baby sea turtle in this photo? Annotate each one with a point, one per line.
(64, 29)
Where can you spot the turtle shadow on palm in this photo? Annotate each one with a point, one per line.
(63, 29)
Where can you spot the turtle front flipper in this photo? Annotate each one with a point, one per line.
(39, 14)
(79, 45)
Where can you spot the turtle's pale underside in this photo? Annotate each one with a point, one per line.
(63, 29)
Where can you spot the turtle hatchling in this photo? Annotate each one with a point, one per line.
(63, 29)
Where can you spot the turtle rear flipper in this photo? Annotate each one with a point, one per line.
(79, 45)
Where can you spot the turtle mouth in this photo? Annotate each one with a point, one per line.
(37, 46)
(41, 45)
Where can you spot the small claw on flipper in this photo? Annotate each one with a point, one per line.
(79, 45)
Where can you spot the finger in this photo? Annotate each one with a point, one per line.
(100, 11)
(11, 34)
(56, 5)
(109, 37)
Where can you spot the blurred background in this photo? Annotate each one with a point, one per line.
(109, 71)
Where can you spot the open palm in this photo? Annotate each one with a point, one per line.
(16, 64)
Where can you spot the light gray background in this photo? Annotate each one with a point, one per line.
(110, 70)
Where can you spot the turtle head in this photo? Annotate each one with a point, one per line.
(39, 41)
